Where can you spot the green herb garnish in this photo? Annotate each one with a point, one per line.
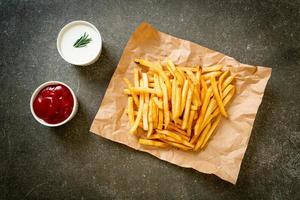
(82, 41)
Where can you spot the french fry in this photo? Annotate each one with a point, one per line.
(130, 111)
(157, 85)
(184, 96)
(180, 146)
(154, 114)
(138, 90)
(217, 96)
(176, 128)
(173, 99)
(190, 122)
(170, 134)
(165, 103)
(212, 68)
(139, 115)
(187, 107)
(202, 137)
(227, 90)
(160, 119)
(175, 73)
(145, 82)
(210, 108)
(150, 118)
(201, 118)
(213, 127)
(227, 81)
(220, 82)
(152, 143)
(145, 116)
(209, 74)
(177, 103)
(158, 103)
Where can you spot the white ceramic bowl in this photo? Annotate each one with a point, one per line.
(65, 37)
(35, 93)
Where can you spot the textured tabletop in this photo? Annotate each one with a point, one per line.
(69, 162)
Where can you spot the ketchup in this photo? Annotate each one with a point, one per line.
(53, 104)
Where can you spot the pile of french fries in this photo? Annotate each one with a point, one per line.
(177, 106)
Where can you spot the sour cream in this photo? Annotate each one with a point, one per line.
(83, 55)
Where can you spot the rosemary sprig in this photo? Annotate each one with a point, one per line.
(82, 41)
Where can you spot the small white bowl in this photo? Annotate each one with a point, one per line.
(79, 56)
(35, 93)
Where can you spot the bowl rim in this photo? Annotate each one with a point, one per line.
(58, 41)
(42, 86)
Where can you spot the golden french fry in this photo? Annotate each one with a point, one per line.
(190, 122)
(152, 143)
(192, 77)
(158, 103)
(176, 128)
(170, 134)
(204, 88)
(150, 118)
(227, 90)
(184, 96)
(187, 107)
(181, 73)
(157, 85)
(145, 116)
(209, 74)
(212, 68)
(154, 113)
(130, 111)
(193, 107)
(210, 108)
(160, 119)
(145, 82)
(173, 99)
(140, 112)
(202, 137)
(137, 90)
(177, 103)
(213, 127)
(229, 96)
(151, 79)
(151, 85)
(180, 146)
(175, 73)
(227, 81)
(217, 96)
(165, 103)
(203, 111)
(221, 79)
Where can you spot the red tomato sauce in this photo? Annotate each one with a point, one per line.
(53, 104)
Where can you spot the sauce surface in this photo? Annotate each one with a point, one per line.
(53, 104)
(79, 55)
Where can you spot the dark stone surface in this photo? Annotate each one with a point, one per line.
(69, 162)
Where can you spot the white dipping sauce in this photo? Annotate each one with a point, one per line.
(83, 55)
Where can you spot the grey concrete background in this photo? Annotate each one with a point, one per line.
(69, 162)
